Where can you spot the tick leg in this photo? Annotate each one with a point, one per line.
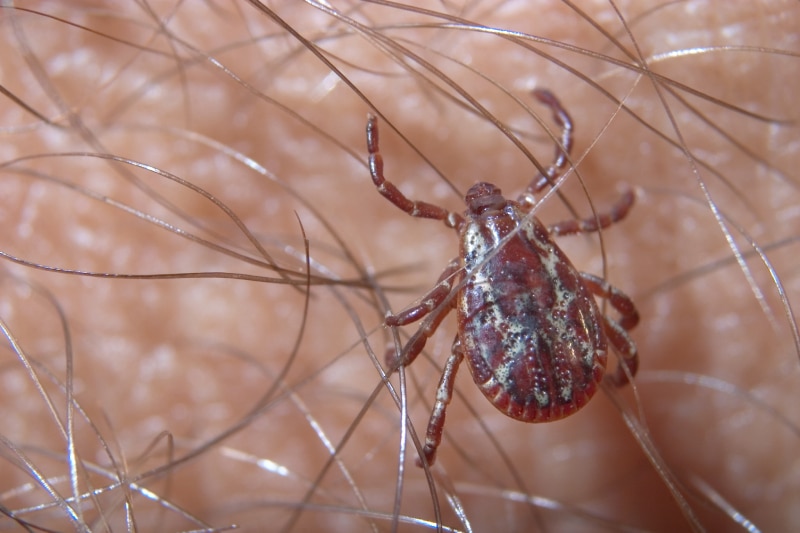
(417, 341)
(430, 301)
(563, 149)
(428, 305)
(626, 349)
(601, 221)
(618, 299)
(444, 393)
(617, 331)
(393, 194)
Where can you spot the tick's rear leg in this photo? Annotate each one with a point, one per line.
(393, 194)
(616, 331)
(626, 349)
(444, 393)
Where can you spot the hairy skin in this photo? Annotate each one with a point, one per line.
(193, 356)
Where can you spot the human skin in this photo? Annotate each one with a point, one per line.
(209, 360)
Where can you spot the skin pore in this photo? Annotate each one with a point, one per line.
(225, 397)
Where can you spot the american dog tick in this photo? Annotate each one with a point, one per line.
(533, 336)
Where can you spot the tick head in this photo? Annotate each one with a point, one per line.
(483, 197)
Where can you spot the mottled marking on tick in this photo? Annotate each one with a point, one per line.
(529, 328)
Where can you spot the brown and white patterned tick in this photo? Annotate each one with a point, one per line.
(533, 336)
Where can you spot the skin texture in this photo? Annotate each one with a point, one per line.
(225, 397)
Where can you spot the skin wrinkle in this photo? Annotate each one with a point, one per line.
(192, 356)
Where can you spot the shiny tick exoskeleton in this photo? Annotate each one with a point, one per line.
(533, 336)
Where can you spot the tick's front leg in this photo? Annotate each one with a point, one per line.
(563, 148)
(415, 208)
(444, 393)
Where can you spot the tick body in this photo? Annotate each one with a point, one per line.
(529, 327)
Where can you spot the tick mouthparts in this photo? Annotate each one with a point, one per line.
(483, 196)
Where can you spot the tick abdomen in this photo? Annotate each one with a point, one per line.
(529, 329)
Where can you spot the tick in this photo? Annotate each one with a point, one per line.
(528, 325)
